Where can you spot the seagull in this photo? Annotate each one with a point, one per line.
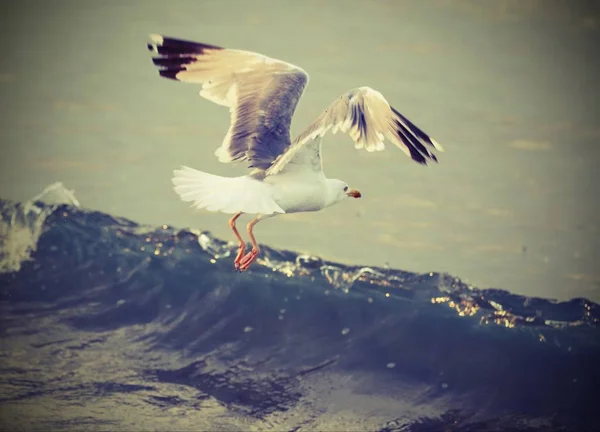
(285, 173)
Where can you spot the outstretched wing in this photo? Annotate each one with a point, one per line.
(368, 118)
(261, 93)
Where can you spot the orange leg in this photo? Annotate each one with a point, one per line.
(251, 256)
(242, 245)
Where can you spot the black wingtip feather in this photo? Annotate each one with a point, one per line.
(170, 62)
(172, 46)
(413, 137)
(174, 54)
(416, 156)
(414, 128)
(413, 142)
(170, 73)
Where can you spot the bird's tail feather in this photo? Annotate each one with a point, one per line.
(224, 194)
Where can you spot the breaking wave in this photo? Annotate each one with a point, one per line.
(108, 324)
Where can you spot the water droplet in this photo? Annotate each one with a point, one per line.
(345, 331)
(213, 247)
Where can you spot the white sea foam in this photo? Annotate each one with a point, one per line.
(23, 225)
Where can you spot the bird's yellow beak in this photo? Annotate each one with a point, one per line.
(353, 193)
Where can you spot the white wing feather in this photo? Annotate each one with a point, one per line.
(367, 117)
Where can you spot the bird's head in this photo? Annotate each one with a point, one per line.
(339, 190)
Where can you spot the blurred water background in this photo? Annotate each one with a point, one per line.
(508, 87)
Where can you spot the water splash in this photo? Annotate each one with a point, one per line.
(490, 307)
(215, 247)
(22, 225)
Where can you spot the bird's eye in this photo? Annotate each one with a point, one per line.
(345, 188)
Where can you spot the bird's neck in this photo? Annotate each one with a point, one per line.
(332, 196)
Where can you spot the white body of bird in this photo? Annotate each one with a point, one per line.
(287, 192)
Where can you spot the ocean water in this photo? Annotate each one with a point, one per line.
(111, 325)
